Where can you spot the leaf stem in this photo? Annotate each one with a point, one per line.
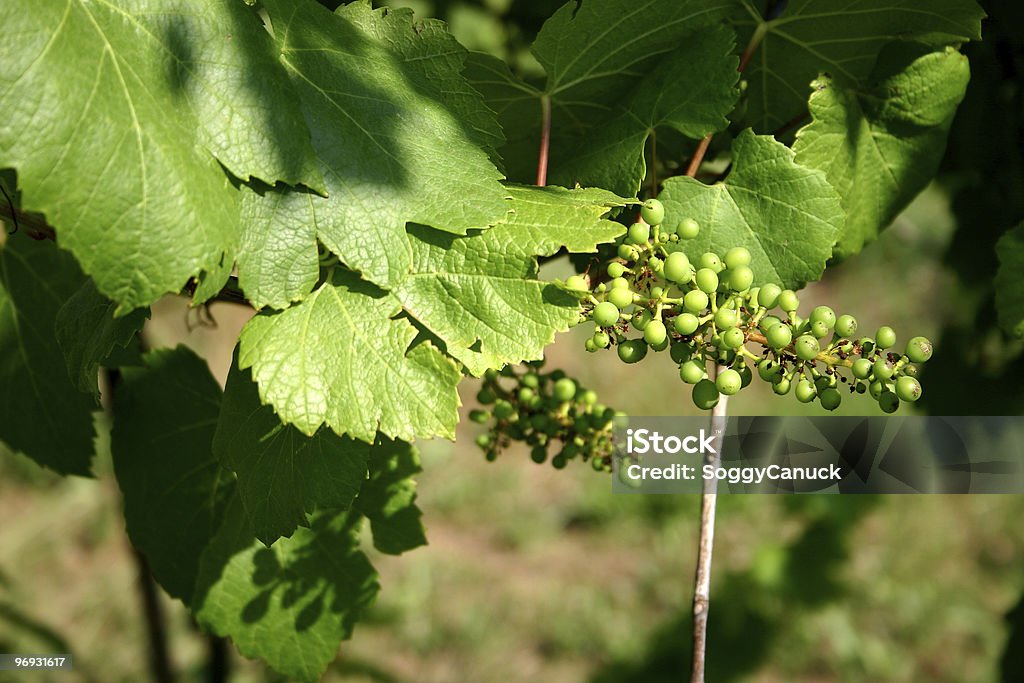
(545, 140)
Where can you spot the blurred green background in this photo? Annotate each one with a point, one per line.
(533, 574)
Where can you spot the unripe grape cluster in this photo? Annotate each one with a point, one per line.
(708, 313)
(549, 412)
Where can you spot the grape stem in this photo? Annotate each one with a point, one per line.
(545, 141)
(706, 542)
(823, 357)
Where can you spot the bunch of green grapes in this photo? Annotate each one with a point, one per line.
(549, 412)
(708, 312)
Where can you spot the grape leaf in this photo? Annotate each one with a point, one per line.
(815, 36)
(174, 490)
(277, 258)
(89, 333)
(127, 158)
(787, 215)
(44, 414)
(880, 144)
(673, 94)
(593, 53)
(282, 473)
(481, 295)
(388, 498)
(290, 604)
(1009, 290)
(341, 358)
(395, 127)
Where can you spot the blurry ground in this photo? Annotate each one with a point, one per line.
(537, 575)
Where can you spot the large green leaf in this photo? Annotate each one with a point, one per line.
(397, 131)
(674, 94)
(594, 54)
(290, 604)
(89, 333)
(1009, 286)
(388, 498)
(113, 113)
(341, 358)
(841, 39)
(880, 144)
(481, 294)
(283, 475)
(42, 412)
(787, 215)
(175, 491)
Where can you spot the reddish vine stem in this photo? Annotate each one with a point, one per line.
(706, 542)
(545, 141)
(33, 224)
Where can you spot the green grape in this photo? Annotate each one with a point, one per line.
(680, 352)
(589, 346)
(601, 340)
(778, 336)
(861, 387)
(883, 369)
(805, 391)
(539, 454)
(806, 347)
(588, 397)
(781, 387)
(769, 370)
(688, 229)
(686, 323)
(632, 350)
(531, 380)
(653, 212)
(885, 337)
(485, 396)
(706, 280)
(830, 398)
(565, 390)
(705, 394)
(483, 440)
(729, 382)
(620, 297)
(695, 301)
(734, 338)
(746, 375)
(823, 314)
(692, 371)
(677, 267)
(908, 389)
(641, 318)
(919, 350)
(656, 292)
(768, 296)
(768, 322)
(889, 402)
(726, 318)
(559, 461)
(526, 395)
(503, 410)
(479, 416)
(540, 422)
(740, 278)
(736, 257)
(605, 314)
(615, 269)
(655, 332)
(655, 264)
(577, 283)
(710, 260)
(862, 368)
(824, 382)
(491, 455)
(626, 252)
(661, 346)
(911, 371)
(876, 388)
(639, 233)
(846, 326)
(619, 284)
(819, 329)
(752, 295)
(788, 300)
(867, 345)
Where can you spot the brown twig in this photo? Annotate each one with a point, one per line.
(706, 542)
(545, 141)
